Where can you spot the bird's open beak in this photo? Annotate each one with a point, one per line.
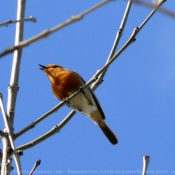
(42, 67)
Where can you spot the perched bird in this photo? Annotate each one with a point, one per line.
(65, 83)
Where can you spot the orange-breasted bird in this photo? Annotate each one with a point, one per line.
(65, 83)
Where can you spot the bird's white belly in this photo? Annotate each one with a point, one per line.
(81, 104)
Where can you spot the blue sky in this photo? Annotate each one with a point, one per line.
(137, 95)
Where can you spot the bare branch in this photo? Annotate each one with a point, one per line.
(6, 122)
(6, 23)
(10, 136)
(5, 168)
(30, 126)
(131, 39)
(93, 79)
(12, 94)
(37, 163)
(13, 87)
(150, 5)
(115, 44)
(50, 133)
(151, 14)
(46, 33)
(146, 160)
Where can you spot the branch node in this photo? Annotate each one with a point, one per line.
(2, 133)
(38, 162)
(120, 30)
(9, 87)
(76, 17)
(32, 18)
(9, 161)
(66, 100)
(11, 111)
(81, 90)
(56, 127)
(20, 152)
(95, 78)
(9, 150)
(45, 33)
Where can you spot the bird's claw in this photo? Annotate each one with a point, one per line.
(66, 100)
(81, 90)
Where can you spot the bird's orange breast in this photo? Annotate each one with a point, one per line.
(64, 83)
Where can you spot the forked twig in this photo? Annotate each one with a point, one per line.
(10, 136)
(111, 54)
(93, 79)
(53, 131)
(6, 122)
(30, 126)
(115, 44)
(46, 33)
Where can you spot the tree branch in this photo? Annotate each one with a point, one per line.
(30, 126)
(12, 94)
(10, 136)
(93, 79)
(150, 5)
(37, 163)
(115, 44)
(146, 160)
(50, 133)
(46, 33)
(6, 23)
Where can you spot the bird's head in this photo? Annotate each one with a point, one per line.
(51, 71)
(49, 67)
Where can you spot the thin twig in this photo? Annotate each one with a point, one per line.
(30, 126)
(37, 163)
(146, 160)
(46, 33)
(151, 5)
(131, 39)
(115, 44)
(6, 23)
(61, 104)
(93, 79)
(50, 133)
(5, 168)
(10, 136)
(151, 14)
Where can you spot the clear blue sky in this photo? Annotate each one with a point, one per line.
(137, 95)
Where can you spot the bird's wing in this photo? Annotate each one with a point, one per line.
(89, 90)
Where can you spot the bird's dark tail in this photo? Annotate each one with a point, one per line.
(97, 118)
(108, 133)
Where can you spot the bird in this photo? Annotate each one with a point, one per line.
(66, 82)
